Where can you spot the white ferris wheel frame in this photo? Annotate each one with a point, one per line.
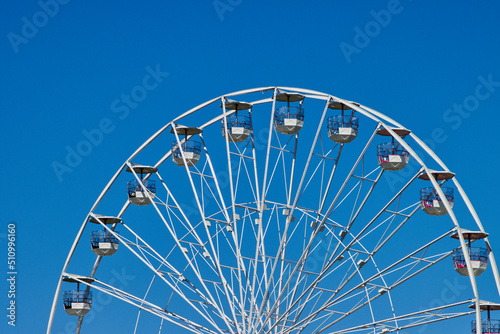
(382, 121)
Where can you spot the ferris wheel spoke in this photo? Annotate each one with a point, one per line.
(281, 253)
(349, 176)
(306, 250)
(326, 191)
(173, 273)
(360, 285)
(321, 221)
(333, 300)
(414, 319)
(197, 244)
(260, 248)
(150, 307)
(239, 176)
(144, 251)
(391, 202)
(357, 210)
(366, 231)
(229, 293)
(288, 191)
(335, 257)
(310, 155)
(178, 283)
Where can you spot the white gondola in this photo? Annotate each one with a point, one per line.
(342, 128)
(478, 255)
(77, 302)
(186, 152)
(392, 156)
(432, 203)
(488, 326)
(102, 242)
(430, 200)
(239, 127)
(140, 192)
(289, 119)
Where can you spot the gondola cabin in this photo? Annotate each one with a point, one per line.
(77, 302)
(186, 151)
(430, 201)
(392, 155)
(289, 119)
(342, 128)
(478, 255)
(488, 326)
(237, 126)
(141, 190)
(103, 242)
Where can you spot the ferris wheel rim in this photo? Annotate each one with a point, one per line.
(364, 110)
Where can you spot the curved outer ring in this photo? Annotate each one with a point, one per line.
(364, 110)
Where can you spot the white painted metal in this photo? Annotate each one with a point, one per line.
(141, 197)
(79, 309)
(436, 208)
(393, 162)
(105, 248)
(478, 268)
(290, 126)
(343, 135)
(234, 276)
(238, 134)
(180, 156)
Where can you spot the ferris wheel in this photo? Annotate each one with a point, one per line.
(280, 210)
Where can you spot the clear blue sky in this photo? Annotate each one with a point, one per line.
(67, 65)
